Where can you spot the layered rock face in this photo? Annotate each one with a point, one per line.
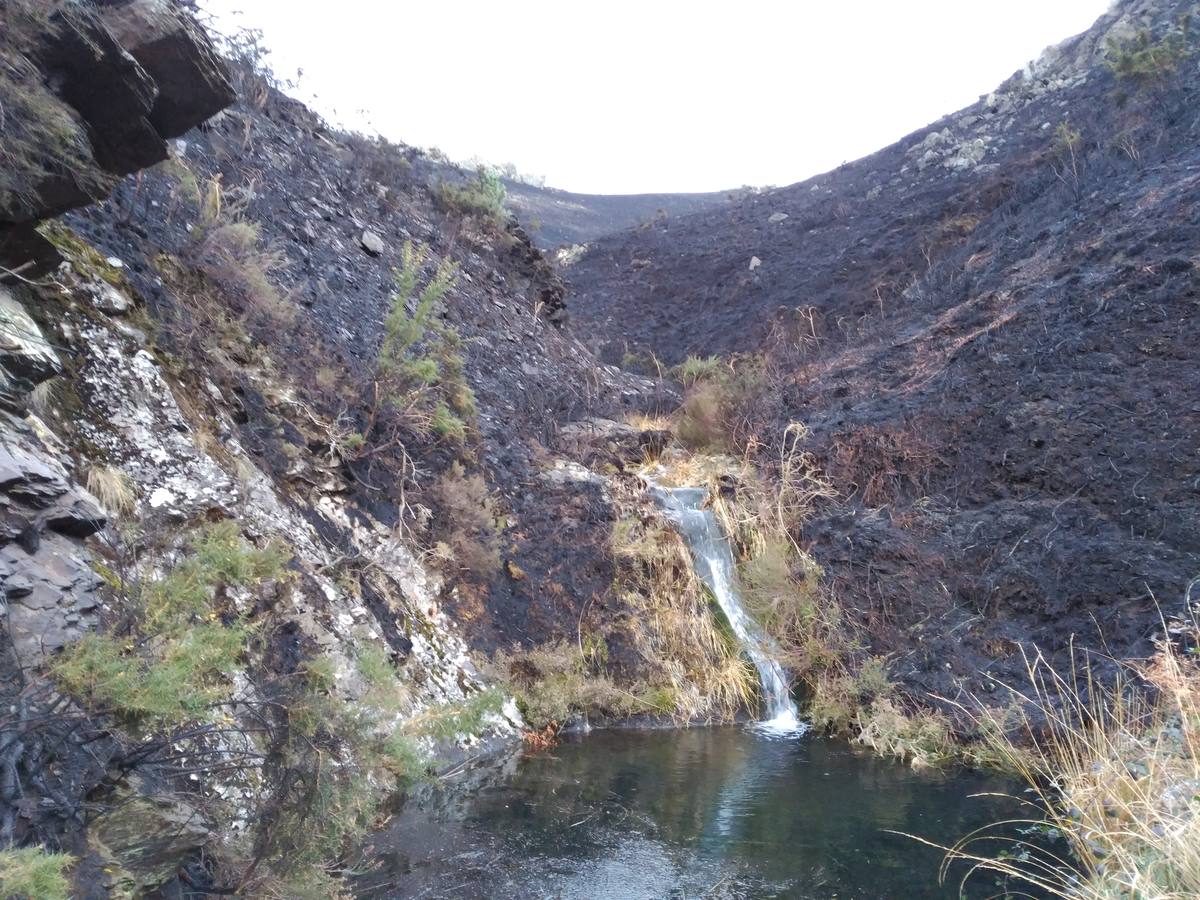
(91, 93)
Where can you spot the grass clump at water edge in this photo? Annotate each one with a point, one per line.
(1114, 769)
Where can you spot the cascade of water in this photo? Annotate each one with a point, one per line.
(713, 561)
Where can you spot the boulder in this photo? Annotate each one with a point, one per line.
(372, 243)
(107, 87)
(90, 94)
(193, 84)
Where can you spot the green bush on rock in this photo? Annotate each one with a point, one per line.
(173, 665)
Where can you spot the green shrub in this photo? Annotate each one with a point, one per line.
(1148, 64)
(429, 384)
(404, 758)
(456, 719)
(182, 681)
(446, 424)
(175, 664)
(402, 329)
(481, 198)
(31, 873)
(376, 667)
(699, 368)
(219, 556)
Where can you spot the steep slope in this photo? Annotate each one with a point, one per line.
(989, 330)
(248, 549)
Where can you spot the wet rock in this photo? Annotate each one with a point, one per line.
(145, 838)
(776, 217)
(595, 440)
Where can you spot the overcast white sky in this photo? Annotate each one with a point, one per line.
(655, 95)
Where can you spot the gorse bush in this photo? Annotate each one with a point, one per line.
(334, 765)
(420, 368)
(30, 873)
(174, 666)
(403, 329)
(481, 198)
(182, 681)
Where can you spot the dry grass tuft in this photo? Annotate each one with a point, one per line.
(554, 683)
(234, 258)
(113, 488)
(883, 465)
(469, 520)
(1115, 769)
(676, 626)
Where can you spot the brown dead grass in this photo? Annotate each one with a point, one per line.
(1114, 768)
(882, 465)
(674, 625)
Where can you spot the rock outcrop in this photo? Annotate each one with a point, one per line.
(91, 92)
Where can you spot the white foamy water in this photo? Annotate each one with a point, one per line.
(714, 564)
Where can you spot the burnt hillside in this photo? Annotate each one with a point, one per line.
(990, 328)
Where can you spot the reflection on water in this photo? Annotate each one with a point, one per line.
(709, 812)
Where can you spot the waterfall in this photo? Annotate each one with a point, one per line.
(713, 561)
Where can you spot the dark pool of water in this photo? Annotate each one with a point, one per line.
(706, 812)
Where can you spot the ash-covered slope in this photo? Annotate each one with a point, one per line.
(565, 218)
(990, 328)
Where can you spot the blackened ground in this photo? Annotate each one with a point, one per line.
(557, 218)
(990, 328)
(314, 192)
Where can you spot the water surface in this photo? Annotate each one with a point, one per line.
(706, 812)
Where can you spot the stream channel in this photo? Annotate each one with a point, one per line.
(760, 810)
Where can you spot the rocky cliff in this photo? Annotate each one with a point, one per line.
(293, 422)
